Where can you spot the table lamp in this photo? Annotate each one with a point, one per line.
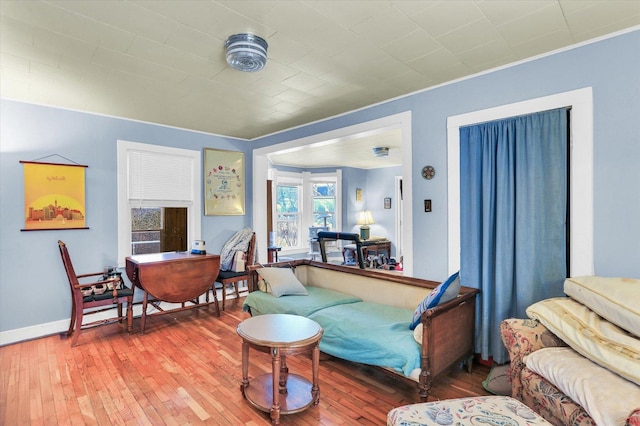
(364, 220)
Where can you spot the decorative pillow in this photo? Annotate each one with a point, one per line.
(239, 260)
(417, 333)
(589, 334)
(615, 299)
(446, 291)
(262, 285)
(282, 282)
(608, 398)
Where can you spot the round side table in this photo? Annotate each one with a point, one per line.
(280, 335)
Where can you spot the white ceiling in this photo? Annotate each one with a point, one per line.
(163, 61)
(355, 151)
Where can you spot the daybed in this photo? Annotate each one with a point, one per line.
(366, 315)
(576, 359)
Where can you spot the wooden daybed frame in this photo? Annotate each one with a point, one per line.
(448, 329)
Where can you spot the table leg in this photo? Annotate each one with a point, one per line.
(215, 300)
(129, 317)
(315, 364)
(143, 319)
(245, 367)
(275, 368)
(284, 374)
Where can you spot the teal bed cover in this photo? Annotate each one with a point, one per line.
(370, 333)
(364, 332)
(259, 303)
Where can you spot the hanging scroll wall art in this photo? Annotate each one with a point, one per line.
(54, 196)
(224, 184)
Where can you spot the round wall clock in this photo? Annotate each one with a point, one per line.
(428, 172)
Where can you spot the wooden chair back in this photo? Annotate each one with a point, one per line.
(83, 297)
(251, 252)
(231, 277)
(68, 268)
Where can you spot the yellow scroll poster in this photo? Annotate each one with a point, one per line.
(54, 196)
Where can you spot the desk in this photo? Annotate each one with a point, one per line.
(280, 335)
(369, 247)
(375, 247)
(173, 277)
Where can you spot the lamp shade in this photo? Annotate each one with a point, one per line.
(246, 52)
(365, 218)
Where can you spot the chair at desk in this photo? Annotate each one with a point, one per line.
(103, 292)
(238, 275)
(314, 244)
(324, 236)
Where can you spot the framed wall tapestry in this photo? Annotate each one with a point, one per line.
(54, 196)
(224, 185)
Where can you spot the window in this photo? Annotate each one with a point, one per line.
(305, 200)
(288, 205)
(158, 229)
(146, 226)
(159, 198)
(324, 204)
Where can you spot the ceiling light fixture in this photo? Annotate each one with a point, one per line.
(246, 52)
(381, 151)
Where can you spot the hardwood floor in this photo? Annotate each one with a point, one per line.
(186, 369)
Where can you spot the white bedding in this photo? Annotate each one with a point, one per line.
(608, 398)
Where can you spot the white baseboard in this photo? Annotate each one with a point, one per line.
(47, 329)
(33, 332)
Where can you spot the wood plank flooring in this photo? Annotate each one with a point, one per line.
(186, 369)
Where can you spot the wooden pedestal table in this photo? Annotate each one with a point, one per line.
(280, 335)
(173, 277)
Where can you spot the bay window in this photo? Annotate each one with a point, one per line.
(305, 200)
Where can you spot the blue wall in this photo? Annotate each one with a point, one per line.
(381, 185)
(611, 67)
(30, 268)
(33, 285)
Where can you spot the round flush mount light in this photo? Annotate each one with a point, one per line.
(246, 52)
(381, 151)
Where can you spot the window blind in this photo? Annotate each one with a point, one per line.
(157, 176)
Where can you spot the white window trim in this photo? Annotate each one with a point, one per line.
(309, 179)
(400, 121)
(290, 178)
(306, 180)
(581, 201)
(124, 206)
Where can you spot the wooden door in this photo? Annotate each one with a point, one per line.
(173, 236)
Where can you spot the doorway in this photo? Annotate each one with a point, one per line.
(399, 213)
(401, 121)
(581, 168)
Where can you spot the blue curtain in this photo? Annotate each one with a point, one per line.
(513, 210)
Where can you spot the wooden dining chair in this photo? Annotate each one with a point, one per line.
(89, 295)
(226, 278)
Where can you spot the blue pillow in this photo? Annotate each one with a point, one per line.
(446, 291)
